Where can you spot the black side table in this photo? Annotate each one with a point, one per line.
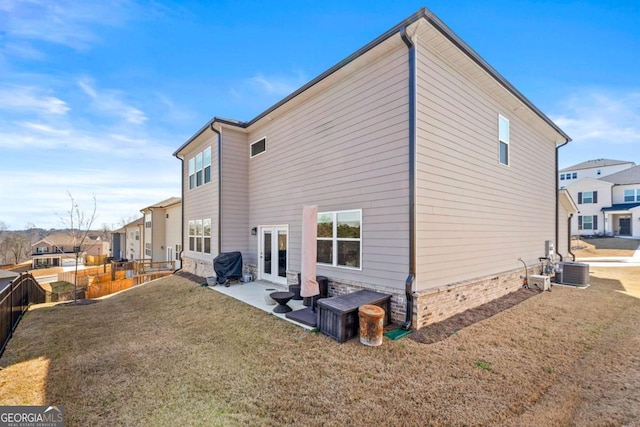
(282, 298)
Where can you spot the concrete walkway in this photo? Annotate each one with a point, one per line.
(632, 261)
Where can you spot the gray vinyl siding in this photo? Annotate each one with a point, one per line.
(474, 216)
(201, 202)
(235, 193)
(344, 148)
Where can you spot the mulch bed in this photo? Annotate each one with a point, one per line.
(442, 330)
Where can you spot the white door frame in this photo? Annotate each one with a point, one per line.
(275, 276)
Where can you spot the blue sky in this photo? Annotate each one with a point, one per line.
(95, 96)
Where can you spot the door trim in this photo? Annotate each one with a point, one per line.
(274, 277)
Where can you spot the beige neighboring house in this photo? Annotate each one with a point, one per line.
(162, 231)
(418, 155)
(127, 240)
(59, 250)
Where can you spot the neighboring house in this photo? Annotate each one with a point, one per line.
(609, 206)
(596, 169)
(622, 215)
(127, 241)
(6, 277)
(418, 155)
(162, 231)
(590, 195)
(59, 250)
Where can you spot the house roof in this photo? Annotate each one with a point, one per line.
(138, 221)
(627, 176)
(621, 207)
(57, 239)
(566, 199)
(164, 204)
(596, 163)
(433, 20)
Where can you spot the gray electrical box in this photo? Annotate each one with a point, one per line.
(549, 250)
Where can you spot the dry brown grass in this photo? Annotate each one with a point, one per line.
(604, 247)
(173, 353)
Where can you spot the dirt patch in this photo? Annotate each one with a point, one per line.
(442, 330)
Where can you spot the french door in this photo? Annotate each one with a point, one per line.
(272, 251)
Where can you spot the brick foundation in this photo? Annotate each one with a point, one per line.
(429, 306)
(435, 305)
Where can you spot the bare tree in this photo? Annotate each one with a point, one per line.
(16, 247)
(79, 223)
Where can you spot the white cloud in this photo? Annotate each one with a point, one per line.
(31, 99)
(278, 86)
(601, 116)
(111, 102)
(66, 22)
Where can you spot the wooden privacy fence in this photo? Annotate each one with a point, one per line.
(14, 301)
(83, 275)
(100, 288)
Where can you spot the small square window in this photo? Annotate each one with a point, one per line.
(574, 175)
(258, 147)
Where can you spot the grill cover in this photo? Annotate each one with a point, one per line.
(228, 265)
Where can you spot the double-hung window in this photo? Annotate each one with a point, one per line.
(503, 139)
(587, 222)
(587, 197)
(339, 241)
(632, 196)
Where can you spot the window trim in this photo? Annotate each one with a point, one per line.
(198, 167)
(251, 155)
(502, 140)
(335, 239)
(197, 239)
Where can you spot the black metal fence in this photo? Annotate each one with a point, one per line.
(14, 301)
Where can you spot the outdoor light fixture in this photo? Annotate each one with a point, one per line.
(254, 231)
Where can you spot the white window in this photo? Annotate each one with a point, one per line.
(561, 177)
(339, 241)
(632, 195)
(178, 250)
(200, 235)
(207, 164)
(258, 147)
(587, 197)
(200, 169)
(503, 139)
(147, 249)
(147, 220)
(587, 222)
(192, 173)
(574, 175)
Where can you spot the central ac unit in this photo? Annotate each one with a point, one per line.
(573, 273)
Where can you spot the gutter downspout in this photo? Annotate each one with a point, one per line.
(573, 256)
(409, 283)
(219, 187)
(558, 147)
(182, 212)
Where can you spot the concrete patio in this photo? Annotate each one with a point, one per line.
(253, 293)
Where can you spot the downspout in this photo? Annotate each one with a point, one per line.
(182, 212)
(573, 256)
(219, 187)
(558, 147)
(409, 282)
